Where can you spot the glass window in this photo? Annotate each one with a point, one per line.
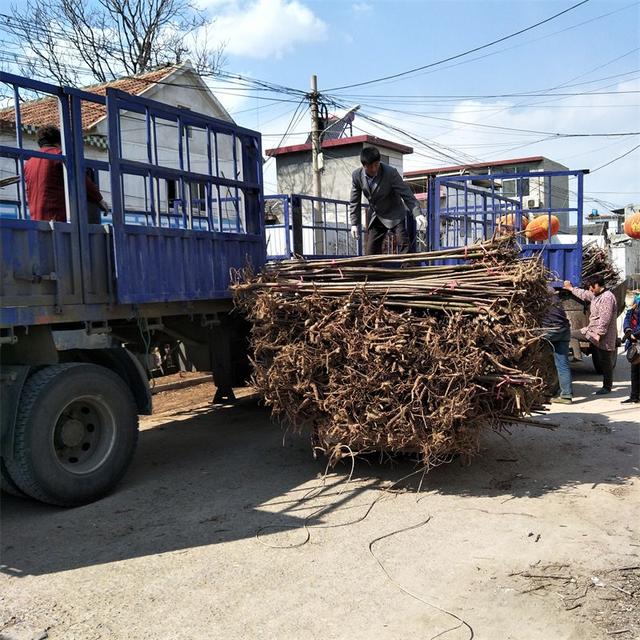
(509, 188)
(515, 188)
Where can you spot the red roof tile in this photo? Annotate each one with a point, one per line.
(339, 142)
(38, 113)
(475, 165)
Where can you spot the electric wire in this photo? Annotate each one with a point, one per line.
(464, 53)
(624, 155)
(522, 44)
(293, 122)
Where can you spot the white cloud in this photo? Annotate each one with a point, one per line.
(265, 28)
(361, 7)
(619, 183)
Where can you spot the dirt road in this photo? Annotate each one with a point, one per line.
(220, 530)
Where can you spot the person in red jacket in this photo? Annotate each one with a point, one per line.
(45, 183)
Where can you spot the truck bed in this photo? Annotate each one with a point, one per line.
(58, 272)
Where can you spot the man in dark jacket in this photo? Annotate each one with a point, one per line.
(389, 198)
(45, 183)
(559, 335)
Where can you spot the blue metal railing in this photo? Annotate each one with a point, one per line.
(279, 232)
(167, 244)
(309, 226)
(10, 210)
(462, 213)
(325, 226)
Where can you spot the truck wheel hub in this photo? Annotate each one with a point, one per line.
(84, 435)
(72, 433)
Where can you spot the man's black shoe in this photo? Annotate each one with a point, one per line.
(631, 401)
(602, 392)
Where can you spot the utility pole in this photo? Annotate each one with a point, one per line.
(315, 137)
(315, 166)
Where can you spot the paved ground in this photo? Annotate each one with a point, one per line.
(221, 530)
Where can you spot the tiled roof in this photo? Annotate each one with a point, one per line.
(38, 113)
(340, 142)
(475, 165)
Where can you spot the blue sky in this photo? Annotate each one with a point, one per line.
(348, 42)
(594, 49)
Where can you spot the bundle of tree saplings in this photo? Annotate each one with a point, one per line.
(417, 353)
(596, 261)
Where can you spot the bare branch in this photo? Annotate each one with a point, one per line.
(74, 39)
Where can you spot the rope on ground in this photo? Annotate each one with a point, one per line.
(306, 528)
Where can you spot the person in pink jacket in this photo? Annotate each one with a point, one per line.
(601, 331)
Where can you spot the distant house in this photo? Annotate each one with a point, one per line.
(613, 222)
(625, 212)
(339, 158)
(175, 85)
(534, 193)
(624, 250)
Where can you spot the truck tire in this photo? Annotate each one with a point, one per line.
(75, 434)
(7, 484)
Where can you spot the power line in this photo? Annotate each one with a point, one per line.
(258, 108)
(113, 49)
(532, 131)
(425, 143)
(522, 44)
(539, 93)
(464, 53)
(606, 164)
(295, 119)
(568, 83)
(491, 96)
(616, 192)
(218, 75)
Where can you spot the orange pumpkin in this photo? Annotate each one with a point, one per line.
(632, 226)
(538, 228)
(509, 222)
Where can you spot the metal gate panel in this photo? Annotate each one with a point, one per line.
(156, 262)
(465, 209)
(39, 260)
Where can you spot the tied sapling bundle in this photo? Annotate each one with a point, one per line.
(419, 352)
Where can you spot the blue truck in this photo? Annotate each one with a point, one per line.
(83, 304)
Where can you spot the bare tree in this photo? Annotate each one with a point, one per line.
(104, 39)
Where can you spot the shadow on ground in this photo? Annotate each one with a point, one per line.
(206, 479)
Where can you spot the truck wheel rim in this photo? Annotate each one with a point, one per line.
(84, 435)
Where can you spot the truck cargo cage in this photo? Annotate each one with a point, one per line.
(217, 176)
(464, 209)
(307, 226)
(186, 204)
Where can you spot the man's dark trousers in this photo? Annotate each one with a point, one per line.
(377, 232)
(604, 358)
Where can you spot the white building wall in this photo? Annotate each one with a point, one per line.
(295, 175)
(626, 258)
